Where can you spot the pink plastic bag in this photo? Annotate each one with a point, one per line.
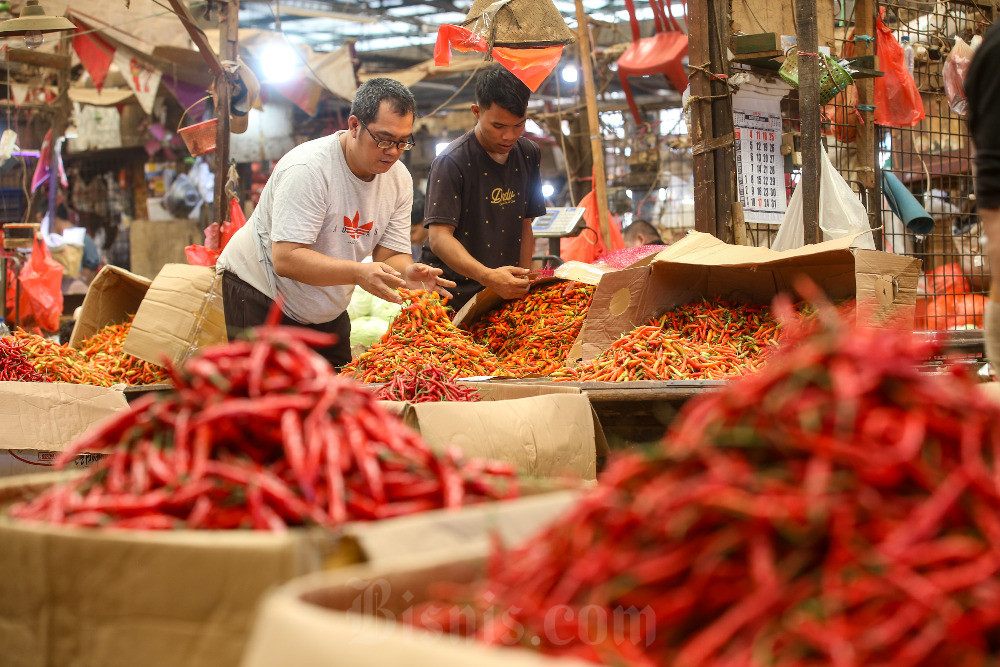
(216, 238)
(953, 73)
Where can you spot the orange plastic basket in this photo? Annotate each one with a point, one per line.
(200, 137)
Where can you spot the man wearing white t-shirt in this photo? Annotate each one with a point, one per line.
(329, 204)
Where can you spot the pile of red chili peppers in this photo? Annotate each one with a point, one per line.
(425, 385)
(423, 335)
(61, 363)
(14, 364)
(104, 349)
(533, 335)
(840, 507)
(698, 341)
(259, 434)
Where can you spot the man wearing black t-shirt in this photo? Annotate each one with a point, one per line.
(482, 193)
(982, 88)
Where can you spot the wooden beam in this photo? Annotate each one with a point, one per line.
(41, 59)
(197, 36)
(703, 164)
(229, 12)
(712, 118)
(596, 145)
(867, 142)
(809, 116)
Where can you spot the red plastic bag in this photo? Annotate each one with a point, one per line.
(897, 100)
(204, 255)
(588, 246)
(41, 287)
(531, 66)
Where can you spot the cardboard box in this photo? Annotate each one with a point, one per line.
(38, 420)
(354, 618)
(156, 243)
(188, 598)
(546, 431)
(181, 314)
(700, 265)
(113, 296)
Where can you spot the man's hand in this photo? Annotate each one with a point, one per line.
(421, 276)
(510, 282)
(381, 280)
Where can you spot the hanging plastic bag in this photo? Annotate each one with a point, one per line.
(841, 213)
(41, 287)
(953, 74)
(236, 221)
(216, 237)
(588, 246)
(897, 100)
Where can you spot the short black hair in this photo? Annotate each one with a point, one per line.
(373, 92)
(62, 212)
(640, 226)
(498, 85)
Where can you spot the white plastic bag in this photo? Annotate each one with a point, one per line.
(841, 213)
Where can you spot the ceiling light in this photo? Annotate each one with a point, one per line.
(570, 74)
(33, 23)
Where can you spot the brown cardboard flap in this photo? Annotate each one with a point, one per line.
(113, 295)
(353, 618)
(50, 415)
(439, 530)
(543, 436)
(702, 248)
(182, 313)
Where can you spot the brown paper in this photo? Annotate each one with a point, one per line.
(187, 598)
(354, 618)
(113, 295)
(181, 313)
(701, 266)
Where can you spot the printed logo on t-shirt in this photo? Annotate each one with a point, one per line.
(354, 230)
(502, 197)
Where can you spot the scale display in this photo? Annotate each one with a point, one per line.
(559, 222)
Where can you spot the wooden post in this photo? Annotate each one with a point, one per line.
(60, 119)
(867, 148)
(712, 119)
(228, 39)
(809, 116)
(703, 162)
(596, 146)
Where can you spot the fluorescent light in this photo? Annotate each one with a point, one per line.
(278, 62)
(548, 190)
(570, 74)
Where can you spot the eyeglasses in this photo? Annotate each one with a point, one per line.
(388, 143)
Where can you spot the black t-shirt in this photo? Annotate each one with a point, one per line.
(486, 202)
(982, 88)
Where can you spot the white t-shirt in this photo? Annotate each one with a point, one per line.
(312, 197)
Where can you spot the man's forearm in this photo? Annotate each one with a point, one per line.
(990, 217)
(397, 260)
(305, 265)
(527, 244)
(451, 251)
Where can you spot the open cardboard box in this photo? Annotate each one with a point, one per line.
(39, 419)
(112, 297)
(181, 598)
(181, 313)
(544, 430)
(357, 618)
(701, 266)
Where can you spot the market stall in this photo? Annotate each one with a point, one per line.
(474, 332)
